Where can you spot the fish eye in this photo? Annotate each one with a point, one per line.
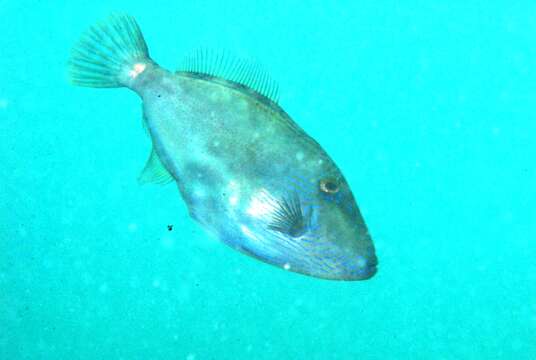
(329, 186)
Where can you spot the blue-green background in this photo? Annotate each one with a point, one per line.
(427, 106)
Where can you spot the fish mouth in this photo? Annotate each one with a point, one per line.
(373, 261)
(357, 273)
(369, 270)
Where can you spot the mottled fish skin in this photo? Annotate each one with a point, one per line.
(247, 172)
(233, 153)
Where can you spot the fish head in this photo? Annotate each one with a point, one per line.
(335, 225)
(314, 227)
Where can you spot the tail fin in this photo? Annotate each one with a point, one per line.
(110, 54)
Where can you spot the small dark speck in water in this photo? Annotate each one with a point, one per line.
(170, 227)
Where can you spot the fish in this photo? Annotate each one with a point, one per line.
(248, 173)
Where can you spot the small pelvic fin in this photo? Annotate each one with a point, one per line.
(154, 172)
(110, 54)
(243, 72)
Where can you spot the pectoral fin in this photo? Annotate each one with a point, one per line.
(288, 217)
(154, 171)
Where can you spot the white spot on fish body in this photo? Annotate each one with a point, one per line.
(234, 189)
(233, 200)
(286, 266)
(320, 162)
(137, 69)
(261, 204)
(199, 191)
(246, 231)
(243, 105)
(299, 156)
(361, 262)
(232, 184)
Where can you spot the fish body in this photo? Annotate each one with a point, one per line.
(247, 172)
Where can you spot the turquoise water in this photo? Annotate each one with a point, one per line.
(429, 111)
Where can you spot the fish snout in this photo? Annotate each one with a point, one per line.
(370, 268)
(365, 266)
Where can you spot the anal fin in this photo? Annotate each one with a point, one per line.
(154, 171)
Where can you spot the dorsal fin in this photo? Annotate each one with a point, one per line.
(222, 65)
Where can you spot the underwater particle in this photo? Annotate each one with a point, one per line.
(170, 227)
(132, 227)
(134, 282)
(103, 289)
(517, 345)
(168, 242)
(23, 232)
(87, 279)
(3, 103)
(156, 283)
